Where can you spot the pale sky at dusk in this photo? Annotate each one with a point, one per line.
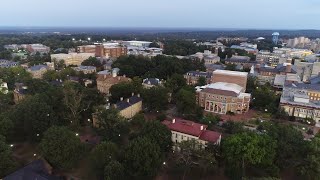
(261, 14)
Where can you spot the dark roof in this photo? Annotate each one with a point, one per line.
(36, 170)
(38, 67)
(125, 104)
(200, 73)
(151, 81)
(237, 60)
(278, 69)
(315, 87)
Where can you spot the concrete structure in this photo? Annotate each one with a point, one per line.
(86, 69)
(280, 80)
(72, 58)
(222, 97)
(151, 82)
(37, 71)
(302, 101)
(192, 77)
(103, 50)
(185, 130)
(235, 77)
(271, 59)
(242, 61)
(267, 74)
(129, 107)
(105, 81)
(307, 70)
(298, 42)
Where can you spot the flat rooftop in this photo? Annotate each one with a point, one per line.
(231, 73)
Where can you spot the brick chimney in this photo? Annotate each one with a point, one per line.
(201, 128)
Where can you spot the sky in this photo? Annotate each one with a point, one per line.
(248, 14)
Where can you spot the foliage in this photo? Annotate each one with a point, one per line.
(124, 90)
(92, 61)
(246, 149)
(14, 75)
(202, 81)
(101, 155)
(61, 147)
(183, 48)
(210, 120)
(112, 126)
(158, 133)
(155, 98)
(6, 102)
(160, 67)
(265, 99)
(31, 117)
(192, 157)
(142, 158)
(7, 164)
(114, 170)
(175, 83)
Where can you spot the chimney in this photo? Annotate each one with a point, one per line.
(115, 106)
(138, 95)
(124, 75)
(121, 98)
(128, 100)
(132, 94)
(105, 76)
(201, 127)
(119, 78)
(173, 121)
(288, 68)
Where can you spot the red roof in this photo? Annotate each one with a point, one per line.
(210, 136)
(192, 128)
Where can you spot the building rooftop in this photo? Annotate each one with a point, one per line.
(121, 105)
(223, 86)
(231, 73)
(37, 67)
(36, 170)
(152, 81)
(200, 73)
(192, 128)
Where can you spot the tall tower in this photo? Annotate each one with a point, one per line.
(275, 37)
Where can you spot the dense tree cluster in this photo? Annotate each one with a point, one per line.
(161, 67)
(183, 48)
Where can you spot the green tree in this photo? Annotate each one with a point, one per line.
(311, 167)
(92, 61)
(175, 83)
(192, 156)
(246, 149)
(114, 170)
(158, 133)
(186, 101)
(61, 147)
(111, 125)
(142, 158)
(155, 98)
(202, 81)
(7, 164)
(32, 117)
(123, 90)
(101, 156)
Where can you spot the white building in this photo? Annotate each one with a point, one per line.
(184, 130)
(3, 87)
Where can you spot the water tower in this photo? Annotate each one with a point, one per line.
(275, 37)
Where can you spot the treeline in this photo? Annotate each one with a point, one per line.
(160, 67)
(183, 48)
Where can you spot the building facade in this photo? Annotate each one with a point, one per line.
(103, 50)
(302, 101)
(105, 81)
(185, 130)
(192, 77)
(37, 71)
(72, 58)
(86, 69)
(129, 107)
(221, 98)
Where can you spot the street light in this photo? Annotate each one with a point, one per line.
(77, 134)
(88, 120)
(11, 145)
(34, 154)
(164, 163)
(89, 39)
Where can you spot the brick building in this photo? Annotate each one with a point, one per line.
(105, 81)
(222, 97)
(130, 106)
(192, 77)
(103, 51)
